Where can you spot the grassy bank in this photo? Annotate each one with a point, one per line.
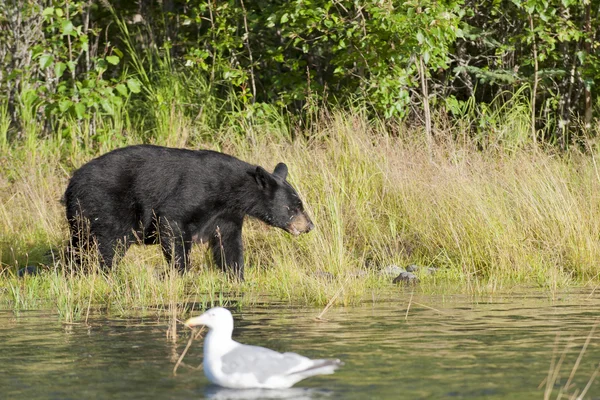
(490, 220)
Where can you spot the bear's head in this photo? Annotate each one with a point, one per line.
(280, 205)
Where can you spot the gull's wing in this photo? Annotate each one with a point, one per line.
(263, 363)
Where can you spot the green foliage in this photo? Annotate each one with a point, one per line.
(89, 61)
(68, 76)
(548, 45)
(298, 49)
(82, 89)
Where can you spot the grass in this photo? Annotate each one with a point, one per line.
(489, 218)
(568, 390)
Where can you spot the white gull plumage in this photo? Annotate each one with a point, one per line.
(234, 365)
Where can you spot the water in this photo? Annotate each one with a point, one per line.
(501, 348)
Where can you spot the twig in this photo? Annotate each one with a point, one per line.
(426, 110)
(249, 52)
(189, 343)
(535, 81)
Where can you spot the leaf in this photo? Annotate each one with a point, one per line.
(284, 18)
(59, 12)
(122, 89)
(64, 105)
(420, 37)
(46, 60)
(80, 110)
(59, 69)
(48, 11)
(107, 106)
(62, 88)
(426, 57)
(134, 85)
(114, 60)
(67, 27)
(101, 64)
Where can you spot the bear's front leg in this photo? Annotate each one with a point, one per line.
(227, 248)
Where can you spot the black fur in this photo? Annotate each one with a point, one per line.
(173, 197)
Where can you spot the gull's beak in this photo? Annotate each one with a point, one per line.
(192, 322)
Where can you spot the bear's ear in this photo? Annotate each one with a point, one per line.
(263, 179)
(281, 170)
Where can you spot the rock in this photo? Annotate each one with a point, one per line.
(327, 276)
(413, 268)
(391, 270)
(418, 268)
(358, 273)
(406, 278)
(28, 270)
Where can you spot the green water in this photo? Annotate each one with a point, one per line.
(445, 347)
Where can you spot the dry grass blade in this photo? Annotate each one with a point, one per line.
(193, 337)
(548, 379)
(409, 303)
(590, 381)
(89, 305)
(332, 300)
(555, 367)
(581, 353)
(553, 373)
(429, 307)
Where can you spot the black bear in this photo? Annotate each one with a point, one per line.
(173, 197)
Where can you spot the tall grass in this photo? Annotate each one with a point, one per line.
(490, 216)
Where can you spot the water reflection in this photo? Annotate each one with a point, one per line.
(444, 346)
(218, 393)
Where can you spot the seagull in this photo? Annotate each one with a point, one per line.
(233, 365)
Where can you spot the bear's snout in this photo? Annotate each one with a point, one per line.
(301, 223)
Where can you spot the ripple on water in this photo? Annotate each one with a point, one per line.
(444, 347)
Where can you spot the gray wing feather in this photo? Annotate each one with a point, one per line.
(262, 362)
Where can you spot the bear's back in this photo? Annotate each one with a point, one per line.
(156, 162)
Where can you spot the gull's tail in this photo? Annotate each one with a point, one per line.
(320, 367)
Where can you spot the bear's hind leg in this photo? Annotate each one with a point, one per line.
(227, 248)
(176, 251)
(175, 244)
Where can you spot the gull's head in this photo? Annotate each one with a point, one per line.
(216, 318)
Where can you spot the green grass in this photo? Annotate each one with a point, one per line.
(490, 219)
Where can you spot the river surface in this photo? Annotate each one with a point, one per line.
(455, 347)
